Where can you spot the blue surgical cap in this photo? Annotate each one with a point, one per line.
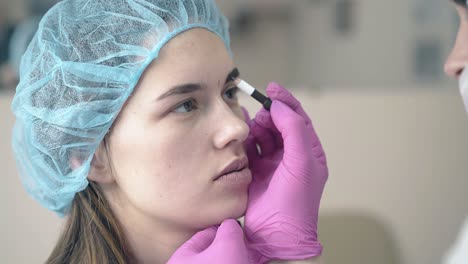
(79, 69)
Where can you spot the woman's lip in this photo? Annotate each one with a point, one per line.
(241, 177)
(234, 166)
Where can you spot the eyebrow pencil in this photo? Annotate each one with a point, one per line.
(250, 90)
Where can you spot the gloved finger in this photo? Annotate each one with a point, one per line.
(263, 119)
(251, 148)
(246, 114)
(277, 92)
(199, 242)
(251, 143)
(321, 157)
(293, 129)
(265, 139)
(229, 236)
(299, 138)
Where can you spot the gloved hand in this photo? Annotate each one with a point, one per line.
(289, 176)
(224, 244)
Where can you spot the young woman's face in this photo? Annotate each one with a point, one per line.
(458, 58)
(168, 145)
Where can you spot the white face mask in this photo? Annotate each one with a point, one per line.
(463, 85)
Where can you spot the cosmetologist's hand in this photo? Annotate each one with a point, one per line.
(223, 244)
(289, 175)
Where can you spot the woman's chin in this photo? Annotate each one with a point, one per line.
(236, 209)
(226, 209)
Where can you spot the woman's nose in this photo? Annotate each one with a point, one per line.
(231, 127)
(458, 58)
(454, 65)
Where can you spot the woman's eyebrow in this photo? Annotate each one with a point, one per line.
(180, 89)
(192, 87)
(232, 75)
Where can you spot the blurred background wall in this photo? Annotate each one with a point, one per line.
(370, 74)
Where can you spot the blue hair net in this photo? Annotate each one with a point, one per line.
(79, 69)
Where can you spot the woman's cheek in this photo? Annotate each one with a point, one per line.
(237, 110)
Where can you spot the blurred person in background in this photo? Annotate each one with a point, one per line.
(128, 123)
(7, 75)
(455, 67)
(19, 38)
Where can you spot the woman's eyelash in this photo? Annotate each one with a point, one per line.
(234, 90)
(190, 105)
(187, 105)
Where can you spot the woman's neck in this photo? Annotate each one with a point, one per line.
(149, 240)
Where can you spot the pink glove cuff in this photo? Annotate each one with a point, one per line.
(286, 246)
(267, 253)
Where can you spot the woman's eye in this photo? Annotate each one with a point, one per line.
(231, 93)
(186, 106)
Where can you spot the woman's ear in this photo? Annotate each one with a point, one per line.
(100, 170)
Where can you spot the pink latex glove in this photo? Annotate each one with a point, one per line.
(224, 244)
(288, 180)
